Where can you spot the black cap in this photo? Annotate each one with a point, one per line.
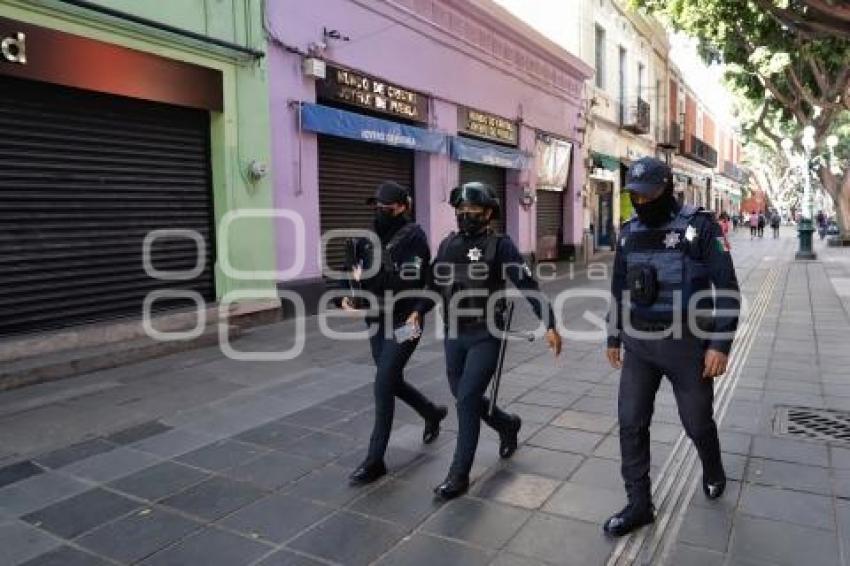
(389, 192)
(647, 175)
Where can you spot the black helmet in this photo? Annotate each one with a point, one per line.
(476, 193)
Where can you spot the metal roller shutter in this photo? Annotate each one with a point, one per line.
(550, 212)
(349, 172)
(493, 176)
(83, 178)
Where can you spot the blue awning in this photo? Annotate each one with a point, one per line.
(334, 122)
(464, 149)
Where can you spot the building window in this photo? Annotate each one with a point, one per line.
(640, 80)
(600, 57)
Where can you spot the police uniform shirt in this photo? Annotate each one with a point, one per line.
(702, 241)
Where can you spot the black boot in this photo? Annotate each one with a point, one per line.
(630, 518)
(452, 487)
(367, 472)
(713, 487)
(432, 425)
(509, 438)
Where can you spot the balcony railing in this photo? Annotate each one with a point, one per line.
(733, 171)
(635, 116)
(700, 151)
(669, 137)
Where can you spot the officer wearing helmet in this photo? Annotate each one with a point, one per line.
(675, 312)
(472, 265)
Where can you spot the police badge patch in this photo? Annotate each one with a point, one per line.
(672, 239)
(474, 254)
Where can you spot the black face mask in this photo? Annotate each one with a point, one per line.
(387, 224)
(471, 223)
(658, 211)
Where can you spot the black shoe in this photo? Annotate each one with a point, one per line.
(432, 426)
(367, 473)
(713, 488)
(630, 518)
(452, 487)
(509, 438)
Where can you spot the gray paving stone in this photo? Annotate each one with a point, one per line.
(485, 524)
(549, 399)
(18, 471)
(173, 443)
(275, 434)
(74, 453)
(137, 432)
(214, 498)
(160, 480)
(590, 422)
(508, 559)
(399, 502)
(424, 550)
(66, 556)
(21, 542)
(566, 440)
(138, 535)
(543, 462)
(533, 413)
(348, 532)
(322, 446)
(782, 543)
(38, 492)
(222, 455)
(564, 541)
(804, 509)
(692, 556)
(801, 452)
(110, 465)
(277, 518)
(707, 528)
(522, 490)
(585, 502)
(210, 547)
(72, 517)
(317, 417)
(599, 472)
(596, 405)
(735, 442)
(289, 558)
(272, 471)
(789, 475)
(328, 485)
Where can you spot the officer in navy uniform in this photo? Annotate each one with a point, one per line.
(476, 259)
(404, 262)
(667, 255)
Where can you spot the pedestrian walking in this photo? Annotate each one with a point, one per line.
(404, 255)
(471, 266)
(754, 224)
(821, 222)
(725, 226)
(762, 221)
(775, 223)
(667, 255)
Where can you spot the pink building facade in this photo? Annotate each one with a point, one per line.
(465, 71)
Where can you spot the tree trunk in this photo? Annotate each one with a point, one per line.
(839, 189)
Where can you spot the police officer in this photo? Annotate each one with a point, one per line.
(669, 257)
(476, 259)
(404, 260)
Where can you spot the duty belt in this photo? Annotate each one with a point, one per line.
(704, 324)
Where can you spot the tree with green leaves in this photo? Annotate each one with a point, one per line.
(789, 68)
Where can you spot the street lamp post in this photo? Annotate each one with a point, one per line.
(805, 227)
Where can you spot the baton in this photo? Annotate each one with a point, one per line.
(503, 346)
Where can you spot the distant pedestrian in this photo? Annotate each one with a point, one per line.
(761, 223)
(775, 221)
(725, 226)
(754, 224)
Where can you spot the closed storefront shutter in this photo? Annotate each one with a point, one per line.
(493, 176)
(83, 178)
(349, 172)
(550, 214)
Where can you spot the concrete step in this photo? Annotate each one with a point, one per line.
(69, 362)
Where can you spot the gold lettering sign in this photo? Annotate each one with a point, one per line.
(14, 49)
(374, 94)
(487, 126)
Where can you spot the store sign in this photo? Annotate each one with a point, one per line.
(13, 49)
(373, 94)
(487, 126)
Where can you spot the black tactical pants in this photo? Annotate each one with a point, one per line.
(645, 362)
(471, 359)
(390, 358)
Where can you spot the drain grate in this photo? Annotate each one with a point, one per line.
(818, 424)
